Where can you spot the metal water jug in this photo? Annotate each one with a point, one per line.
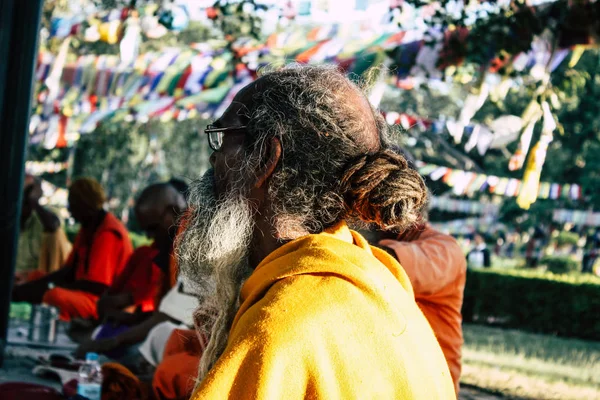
(42, 324)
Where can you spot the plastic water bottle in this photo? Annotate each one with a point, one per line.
(90, 378)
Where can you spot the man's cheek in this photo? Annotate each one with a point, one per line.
(224, 175)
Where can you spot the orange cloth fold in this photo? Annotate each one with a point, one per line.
(72, 303)
(327, 316)
(104, 259)
(142, 278)
(437, 269)
(119, 383)
(175, 376)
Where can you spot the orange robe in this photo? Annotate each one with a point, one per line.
(437, 270)
(175, 376)
(327, 316)
(101, 261)
(142, 278)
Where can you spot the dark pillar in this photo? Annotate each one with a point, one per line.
(19, 27)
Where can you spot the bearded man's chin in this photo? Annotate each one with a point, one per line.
(217, 234)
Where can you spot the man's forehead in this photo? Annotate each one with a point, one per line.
(240, 105)
(152, 204)
(148, 213)
(245, 94)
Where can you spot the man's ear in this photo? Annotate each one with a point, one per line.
(272, 156)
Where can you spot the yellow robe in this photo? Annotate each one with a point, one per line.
(329, 317)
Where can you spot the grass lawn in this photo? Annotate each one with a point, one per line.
(531, 366)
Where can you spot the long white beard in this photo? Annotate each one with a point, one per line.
(213, 259)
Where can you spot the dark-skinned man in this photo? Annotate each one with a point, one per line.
(304, 307)
(43, 246)
(101, 249)
(130, 309)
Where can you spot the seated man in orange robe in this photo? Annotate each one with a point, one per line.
(437, 269)
(128, 308)
(99, 254)
(136, 288)
(150, 271)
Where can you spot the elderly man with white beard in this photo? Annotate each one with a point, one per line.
(303, 306)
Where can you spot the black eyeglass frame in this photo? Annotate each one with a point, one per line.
(215, 135)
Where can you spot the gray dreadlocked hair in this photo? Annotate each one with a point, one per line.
(336, 163)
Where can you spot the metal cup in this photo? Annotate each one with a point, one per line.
(42, 324)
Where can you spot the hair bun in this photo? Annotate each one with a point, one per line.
(380, 188)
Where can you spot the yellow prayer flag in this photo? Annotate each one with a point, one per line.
(531, 178)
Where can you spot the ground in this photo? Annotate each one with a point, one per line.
(497, 364)
(530, 366)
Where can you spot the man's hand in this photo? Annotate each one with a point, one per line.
(101, 346)
(104, 306)
(109, 304)
(121, 317)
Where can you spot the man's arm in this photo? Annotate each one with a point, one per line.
(135, 334)
(33, 292)
(95, 288)
(114, 302)
(432, 261)
(139, 332)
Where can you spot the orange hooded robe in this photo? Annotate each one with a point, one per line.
(327, 316)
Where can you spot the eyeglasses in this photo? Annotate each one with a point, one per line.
(215, 135)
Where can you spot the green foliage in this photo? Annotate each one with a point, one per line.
(186, 148)
(542, 302)
(238, 18)
(572, 156)
(507, 263)
(114, 154)
(560, 264)
(136, 239)
(71, 232)
(195, 32)
(139, 240)
(125, 157)
(497, 34)
(565, 238)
